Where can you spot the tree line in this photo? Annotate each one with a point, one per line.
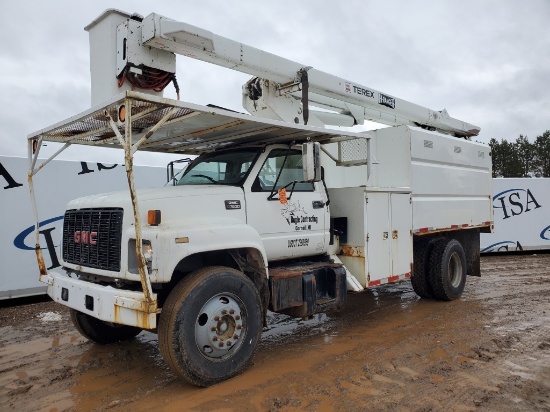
(521, 158)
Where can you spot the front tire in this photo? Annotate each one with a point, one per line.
(210, 325)
(102, 332)
(448, 269)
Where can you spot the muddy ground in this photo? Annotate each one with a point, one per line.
(385, 350)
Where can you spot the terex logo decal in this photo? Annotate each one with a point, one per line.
(359, 90)
(19, 241)
(513, 203)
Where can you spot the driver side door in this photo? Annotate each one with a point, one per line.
(292, 226)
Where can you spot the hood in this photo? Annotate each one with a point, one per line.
(122, 198)
(179, 205)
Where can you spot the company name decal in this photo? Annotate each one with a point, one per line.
(8, 178)
(19, 241)
(545, 234)
(514, 202)
(386, 101)
(12, 183)
(296, 215)
(505, 246)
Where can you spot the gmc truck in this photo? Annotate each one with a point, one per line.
(275, 212)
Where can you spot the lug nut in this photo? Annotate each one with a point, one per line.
(224, 312)
(228, 343)
(235, 337)
(238, 317)
(216, 318)
(239, 327)
(231, 311)
(213, 329)
(214, 338)
(221, 345)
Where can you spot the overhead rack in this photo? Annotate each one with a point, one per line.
(136, 121)
(159, 124)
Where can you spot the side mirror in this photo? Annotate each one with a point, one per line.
(311, 161)
(170, 174)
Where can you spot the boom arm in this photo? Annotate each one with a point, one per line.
(281, 81)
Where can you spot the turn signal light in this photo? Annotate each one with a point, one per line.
(122, 113)
(153, 217)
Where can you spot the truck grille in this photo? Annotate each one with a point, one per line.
(92, 238)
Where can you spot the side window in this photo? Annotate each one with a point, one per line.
(289, 164)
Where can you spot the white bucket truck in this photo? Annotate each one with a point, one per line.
(276, 212)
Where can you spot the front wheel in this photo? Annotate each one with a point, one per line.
(448, 269)
(102, 332)
(210, 325)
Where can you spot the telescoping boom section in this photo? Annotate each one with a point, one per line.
(281, 89)
(356, 101)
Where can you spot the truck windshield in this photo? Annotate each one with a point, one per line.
(220, 168)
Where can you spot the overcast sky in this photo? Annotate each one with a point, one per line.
(486, 61)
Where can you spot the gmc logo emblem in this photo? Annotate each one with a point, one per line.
(85, 237)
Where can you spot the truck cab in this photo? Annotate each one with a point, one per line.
(246, 197)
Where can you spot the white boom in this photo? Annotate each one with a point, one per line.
(353, 102)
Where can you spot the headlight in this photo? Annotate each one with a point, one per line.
(147, 251)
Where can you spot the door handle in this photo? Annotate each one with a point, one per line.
(318, 204)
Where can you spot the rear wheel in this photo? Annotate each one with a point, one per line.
(448, 269)
(419, 278)
(210, 325)
(102, 332)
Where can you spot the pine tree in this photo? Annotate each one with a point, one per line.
(542, 155)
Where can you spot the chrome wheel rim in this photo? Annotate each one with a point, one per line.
(220, 326)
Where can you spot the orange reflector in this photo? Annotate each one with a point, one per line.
(153, 217)
(122, 113)
(282, 196)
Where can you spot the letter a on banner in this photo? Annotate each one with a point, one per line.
(11, 181)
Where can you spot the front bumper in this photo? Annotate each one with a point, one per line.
(102, 302)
